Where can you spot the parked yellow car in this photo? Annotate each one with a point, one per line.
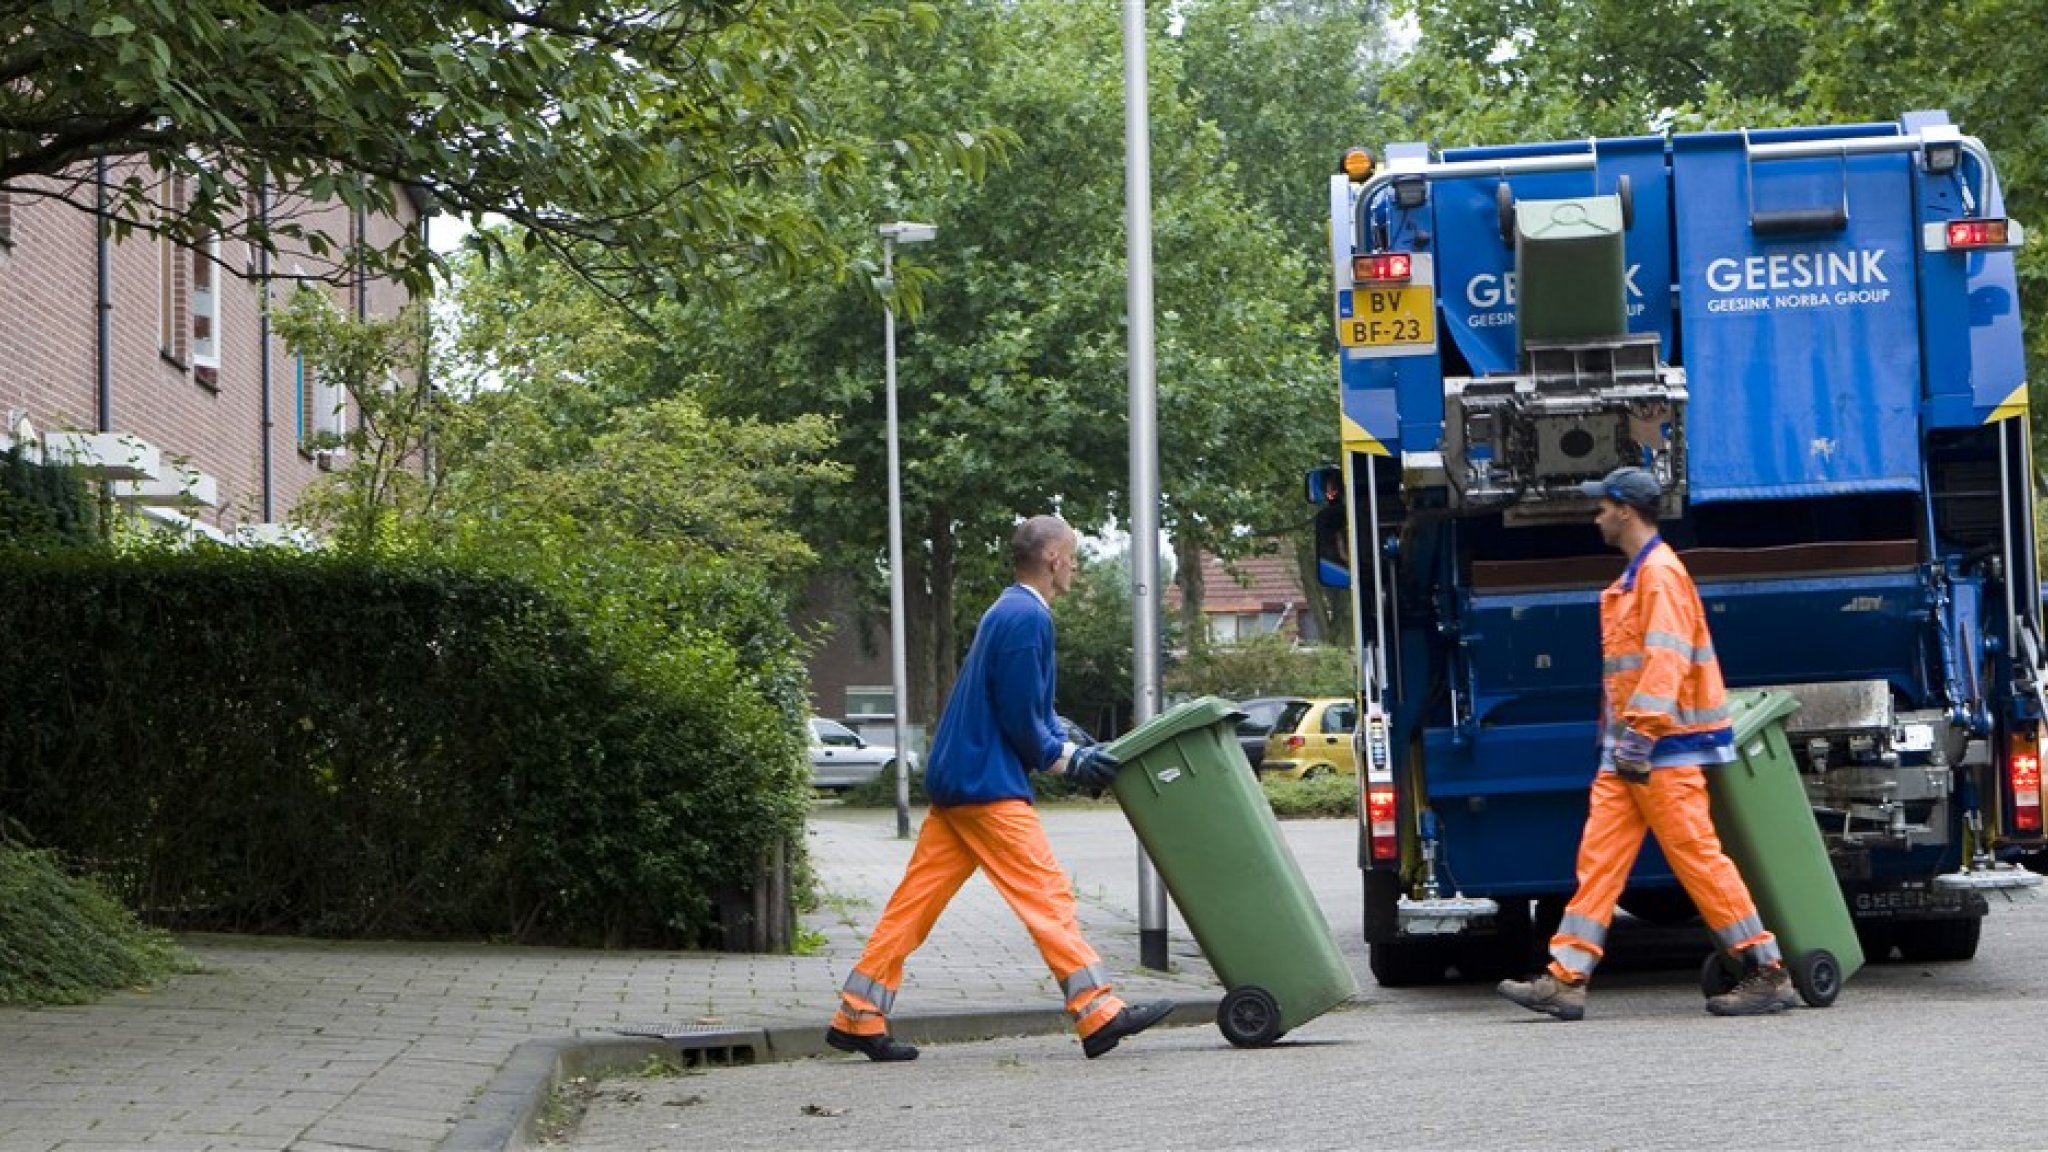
(1312, 738)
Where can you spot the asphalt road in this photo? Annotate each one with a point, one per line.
(1911, 1056)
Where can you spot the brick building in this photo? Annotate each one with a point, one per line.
(153, 365)
(1249, 596)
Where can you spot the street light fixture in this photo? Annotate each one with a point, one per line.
(903, 232)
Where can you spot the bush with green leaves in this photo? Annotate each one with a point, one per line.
(1324, 796)
(269, 741)
(64, 941)
(1269, 665)
(45, 505)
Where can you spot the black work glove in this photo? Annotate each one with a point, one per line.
(1632, 757)
(1092, 769)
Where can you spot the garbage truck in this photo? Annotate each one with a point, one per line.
(1811, 336)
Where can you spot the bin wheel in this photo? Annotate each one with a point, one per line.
(1719, 974)
(1818, 976)
(1249, 1017)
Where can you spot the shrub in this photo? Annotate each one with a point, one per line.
(267, 741)
(1321, 797)
(1268, 665)
(64, 941)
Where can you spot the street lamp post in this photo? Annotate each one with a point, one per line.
(904, 232)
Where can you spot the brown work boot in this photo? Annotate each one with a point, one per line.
(1761, 993)
(1548, 995)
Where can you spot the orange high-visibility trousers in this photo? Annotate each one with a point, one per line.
(1005, 840)
(1672, 804)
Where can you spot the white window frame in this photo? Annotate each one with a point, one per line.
(203, 311)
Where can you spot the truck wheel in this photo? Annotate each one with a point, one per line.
(1249, 1017)
(1818, 976)
(1509, 952)
(1921, 941)
(1382, 904)
(1877, 939)
(1408, 961)
(1719, 974)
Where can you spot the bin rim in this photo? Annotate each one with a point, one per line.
(1754, 708)
(1185, 717)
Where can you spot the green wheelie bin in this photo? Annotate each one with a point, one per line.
(1766, 826)
(1198, 809)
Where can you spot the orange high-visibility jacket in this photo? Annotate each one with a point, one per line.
(1660, 678)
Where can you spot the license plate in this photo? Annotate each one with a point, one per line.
(1387, 317)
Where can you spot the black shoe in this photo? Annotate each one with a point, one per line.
(1135, 1018)
(885, 1048)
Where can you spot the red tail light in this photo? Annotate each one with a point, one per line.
(1383, 268)
(1295, 743)
(1379, 822)
(1977, 233)
(2023, 770)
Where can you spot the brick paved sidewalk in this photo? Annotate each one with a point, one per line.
(284, 1043)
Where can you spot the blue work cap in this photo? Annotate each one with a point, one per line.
(1632, 486)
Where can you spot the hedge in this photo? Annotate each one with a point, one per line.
(265, 741)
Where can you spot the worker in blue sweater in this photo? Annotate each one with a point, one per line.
(997, 727)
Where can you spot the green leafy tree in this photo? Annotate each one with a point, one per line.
(576, 428)
(1486, 72)
(1012, 367)
(647, 139)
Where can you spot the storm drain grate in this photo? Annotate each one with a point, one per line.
(705, 1045)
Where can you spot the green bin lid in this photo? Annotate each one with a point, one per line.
(1749, 711)
(1195, 714)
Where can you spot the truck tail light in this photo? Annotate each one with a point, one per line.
(1990, 233)
(1383, 268)
(2023, 770)
(1379, 822)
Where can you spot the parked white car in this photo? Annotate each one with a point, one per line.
(840, 758)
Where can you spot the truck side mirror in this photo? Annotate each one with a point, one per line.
(1325, 489)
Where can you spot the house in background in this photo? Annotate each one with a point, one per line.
(153, 366)
(1251, 596)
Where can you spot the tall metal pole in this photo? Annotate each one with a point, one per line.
(897, 659)
(1145, 605)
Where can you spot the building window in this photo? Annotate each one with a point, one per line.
(867, 700)
(204, 307)
(322, 408)
(6, 219)
(174, 321)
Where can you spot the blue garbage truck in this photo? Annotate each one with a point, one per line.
(1812, 336)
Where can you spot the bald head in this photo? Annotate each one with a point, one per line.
(1038, 541)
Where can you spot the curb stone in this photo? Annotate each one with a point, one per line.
(504, 1116)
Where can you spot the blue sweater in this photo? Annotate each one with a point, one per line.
(998, 724)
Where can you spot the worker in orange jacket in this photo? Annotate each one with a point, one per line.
(998, 726)
(1664, 718)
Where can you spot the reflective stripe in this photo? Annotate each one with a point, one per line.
(1080, 980)
(1577, 961)
(1741, 932)
(1685, 717)
(1704, 654)
(1585, 928)
(1101, 1004)
(871, 990)
(1644, 702)
(1765, 953)
(1614, 664)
